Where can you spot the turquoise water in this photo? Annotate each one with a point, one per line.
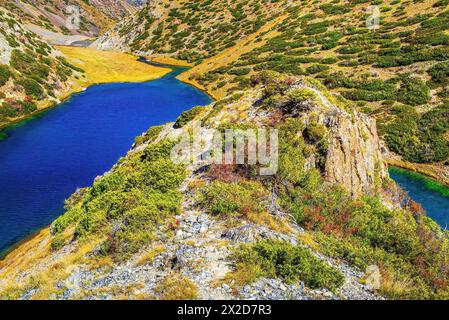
(43, 161)
(432, 196)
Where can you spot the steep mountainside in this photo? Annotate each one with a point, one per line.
(32, 74)
(155, 229)
(50, 18)
(395, 71)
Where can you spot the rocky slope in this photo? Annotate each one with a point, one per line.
(49, 20)
(152, 228)
(390, 57)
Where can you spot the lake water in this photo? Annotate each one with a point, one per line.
(425, 191)
(43, 161)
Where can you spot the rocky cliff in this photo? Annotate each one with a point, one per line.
(353, 157)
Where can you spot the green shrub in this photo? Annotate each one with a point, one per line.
(57, 243)
(187, 116)
(128, 203)
(292, 263)
(440, 73)
(233, 198)
(418, 138)
(314, 133)
(5, 74)
(32, 88)
(413, 91)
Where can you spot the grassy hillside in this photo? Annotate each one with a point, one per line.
(396, 73)
(33, 75)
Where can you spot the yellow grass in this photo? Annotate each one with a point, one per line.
(37, 267)
(170, 61)
(148, 257)
(177, 287)
(106, 66)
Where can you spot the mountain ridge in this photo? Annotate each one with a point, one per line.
(328, 224)
(171, 236)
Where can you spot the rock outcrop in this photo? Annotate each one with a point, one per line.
(353, 157)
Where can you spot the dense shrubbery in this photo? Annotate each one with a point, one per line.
(412, 91)
(16, 108)
(32, 88)
(29, 66)
(418, 138)
(5, 74)
(128, 203)
(187, 116)
(287, 261)
(440, 73)
(364, 231)
(234, 199)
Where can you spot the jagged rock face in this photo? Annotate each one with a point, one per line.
(354, 157)
(354, 153)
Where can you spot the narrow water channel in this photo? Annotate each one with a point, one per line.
(433, 196)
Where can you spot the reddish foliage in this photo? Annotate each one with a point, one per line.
(28, 99)
(227, 173)
(440, 283)
(174, 225)
(112, 243)
(314, 218)
(276, 118)
(416, 209)
(290, 81)
(358, 204)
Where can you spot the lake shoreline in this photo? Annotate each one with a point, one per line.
(428, 182)
(428, 170)
(72, 91)
(116, 68)
(4, 254)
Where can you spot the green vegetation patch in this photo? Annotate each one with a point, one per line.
(5, 74)
(290, 262)
(418, 137)
(187, 116)
(234, 199)
(128, 204)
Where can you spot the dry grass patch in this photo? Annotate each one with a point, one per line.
(148, 257)
(177, 287)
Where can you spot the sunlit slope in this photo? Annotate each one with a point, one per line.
(103, 67)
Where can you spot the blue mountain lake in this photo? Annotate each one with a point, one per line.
(44, 160)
